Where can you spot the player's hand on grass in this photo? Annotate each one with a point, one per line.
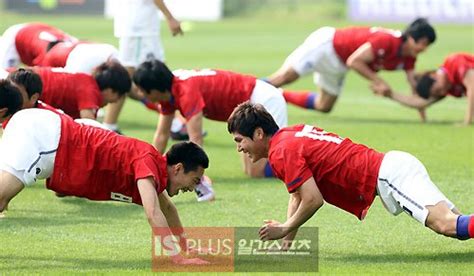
(272, 230)
(178, 259)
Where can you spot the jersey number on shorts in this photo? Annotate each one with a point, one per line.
(321, 135)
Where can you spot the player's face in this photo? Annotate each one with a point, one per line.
(439, 87)
(155, 95)
(417, 47)
(181, 181)
(252, 147)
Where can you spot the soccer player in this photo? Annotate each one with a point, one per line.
(318, 166)
(75, 160)
(28, 43)
(137, 26)
(329, 53)
(79, 95)
(205, 93)
(454, 78)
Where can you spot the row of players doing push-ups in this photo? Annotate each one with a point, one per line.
(215, 93)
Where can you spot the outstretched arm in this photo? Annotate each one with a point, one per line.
(411, 80)
(162, 133)
(10, 186)
(157, 218)
(173, 24)
(359, 61)
(311, 201)
(194, 127)
(468, 81)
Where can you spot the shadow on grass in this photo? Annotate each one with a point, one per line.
(70, 263)
(449, 257)
(86, 212)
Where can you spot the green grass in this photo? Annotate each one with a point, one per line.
(44, 234)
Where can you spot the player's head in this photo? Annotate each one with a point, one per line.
(11, 99)
(186, 162)
(429, 84)
(30, 85)
(418, 36)
(113, 80)
(252, 126)
(154, 79)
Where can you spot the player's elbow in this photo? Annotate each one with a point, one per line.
(314, 202)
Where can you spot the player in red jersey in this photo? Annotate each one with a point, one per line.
(329, 53)
(319, 166)
(454, 78)
(80, 56)
(75, 160)
(208, 93)
(28, 43)
(78, 95)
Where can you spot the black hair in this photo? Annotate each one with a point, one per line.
(153, 74)
(419, 29)
(29, 79)
(189, 154)
(111, 74)
(246, 117)
(424, 84)
(10, 97)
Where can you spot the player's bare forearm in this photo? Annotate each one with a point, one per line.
(194, 127)
(170, 212)
(413, 101)
(162, 133)
(311, 201)
(151, 204)
(470, 107)
(293, 204)
(468, 82)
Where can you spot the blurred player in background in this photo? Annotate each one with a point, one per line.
(137, 26)
(78, 95)
(75, 160)
(454, 78)
(319, 166)
(208, 93)
(329, 53)
(28, 43)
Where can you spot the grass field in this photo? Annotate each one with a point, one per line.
(44, 234)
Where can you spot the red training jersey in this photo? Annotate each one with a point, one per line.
(70, 92)
(345, 172)
(33, 39)
(386, 47)
(214, 92)
(57, 56)
(101, 165)
(455, 67)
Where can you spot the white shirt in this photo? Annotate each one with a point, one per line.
(136, 18)
(3, 74)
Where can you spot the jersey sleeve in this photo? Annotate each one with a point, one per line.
(381, 45)
(166, 108)
(145, 167)
(290, 165)
(191, 102)
(89, 94)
